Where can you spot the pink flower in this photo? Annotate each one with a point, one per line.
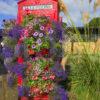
(30, 27)
(26, 32)
(52, 77)
(36, 90)
(34, 77)
(44, 78)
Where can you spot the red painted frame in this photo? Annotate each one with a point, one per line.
(52, 13)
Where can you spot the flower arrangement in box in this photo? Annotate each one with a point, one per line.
(39, 76)
(36, 49)
(37, 35)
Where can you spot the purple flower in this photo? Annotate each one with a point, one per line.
(36, 21)
(41, 28)
(20, 91)
(58, 71)
(51, 31)
(58, 30)
(19, 50)
(7, 52)
(23, 91)
(33, 46)
(35, 34)
(39, 41)
(62, 93)
(16, 32)
(41, 35)
(19, 69)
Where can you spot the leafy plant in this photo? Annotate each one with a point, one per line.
(85, 76)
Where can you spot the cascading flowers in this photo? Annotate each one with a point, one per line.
(37, 37)
(39, 76)
(35, 51)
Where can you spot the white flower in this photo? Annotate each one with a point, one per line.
(41, 35)
(60, 41)
(2, 44)
(39, 41)
(35, 34)
(33, 46)
(42, 28)
(51, 31)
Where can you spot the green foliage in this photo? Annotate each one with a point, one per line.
(40, 64)
(9, 42)
(95, 22)
(29, 41)
(85, 67)
(27, 19)
(85, 76)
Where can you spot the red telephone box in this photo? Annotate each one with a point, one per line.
(47, 8)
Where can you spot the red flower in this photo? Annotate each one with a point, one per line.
(20, 41)
(46, 69)
(44, 51)
(31, 52)
(44, 78)
(29, 46)
(20, 60)
(20, 80)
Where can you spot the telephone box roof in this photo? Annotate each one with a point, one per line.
(25, 0)
(21, 1)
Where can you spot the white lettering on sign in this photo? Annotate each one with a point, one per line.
(37, 7)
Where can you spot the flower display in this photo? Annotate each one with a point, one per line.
(32, 57)
(37, 41)
(8, 52)
(15, 32)
(38, 78)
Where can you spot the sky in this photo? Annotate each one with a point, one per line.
(8, 10)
